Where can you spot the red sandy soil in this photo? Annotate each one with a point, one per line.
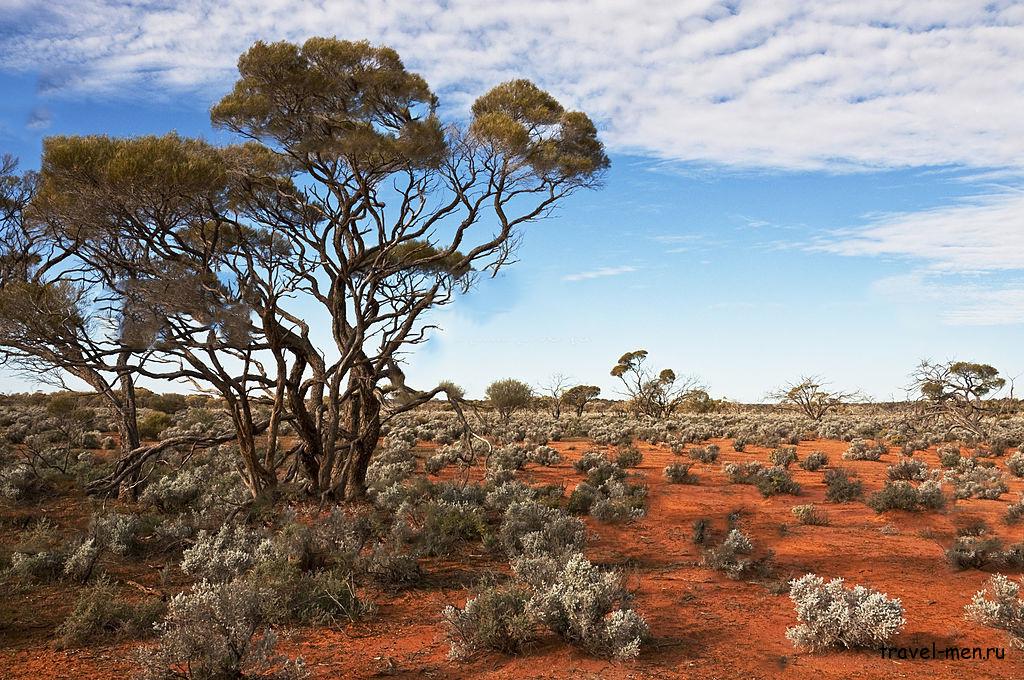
(705, 626)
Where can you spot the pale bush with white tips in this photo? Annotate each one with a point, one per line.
(82, 560)
(546, 456)
(1015, 464)
(999, 606)
(117, 531)
(832, 615)
(501, 618)
(232, 551)
(529, 528)
(504, 495)
(588, 607)
(218, 630)
(972, 479)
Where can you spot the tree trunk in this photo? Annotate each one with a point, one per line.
(258, 478)
(363, 424)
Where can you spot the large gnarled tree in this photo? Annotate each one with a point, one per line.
(291, 271)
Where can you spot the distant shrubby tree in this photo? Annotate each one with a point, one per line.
(452, 390)
(810, 397)
(508, 396)
(579, 396)
(699, 401)
(956, 392)
(553, 392)
(657, 396)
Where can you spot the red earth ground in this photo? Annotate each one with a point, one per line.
(703, 624)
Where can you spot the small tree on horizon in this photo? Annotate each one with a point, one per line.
(579, 396)
(810, 396)
(508, 396)
(957, 392)
(657, 396)
(553, 392)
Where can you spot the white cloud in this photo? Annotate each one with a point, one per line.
(598, 273)
(962, 302)
(981, 234)
(789, 84)
(963, 255)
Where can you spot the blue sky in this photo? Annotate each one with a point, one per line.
(795, 187)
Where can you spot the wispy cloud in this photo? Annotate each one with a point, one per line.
(599, 273)
(39, 119)
(791, 84)
(981, 234)
(983, 302)
(964, 257)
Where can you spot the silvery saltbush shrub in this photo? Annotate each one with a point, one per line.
(809, 514)
(930, 495)
(618, 501)
(909, 448)
(505, 494)
(99, 613)
(815, 460)
(628, 456)
(972, 479)
(506, 459)
(529, 528)
(391, 566)
(831, 615)
(949, 455)
(444, 457)
(217, 630)
(783, 456)
(1015, 464)
(679, 473)
(743, 473)
(444, 525)
(546, 456)
(178, 491)
(776, 480)
(606, 495)
(44, 566)
(981, 552)
(390, 466)
(81, 561)
(586, 606)
(590, 460)
(902, 495)
(704, 454)
(19, 483)
(502, 618)
(842, 486)
(909, 469)
(999, 606)
(732, 556)
(222, 556)
(117, 532)
(861, 450)
(1015, 511)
